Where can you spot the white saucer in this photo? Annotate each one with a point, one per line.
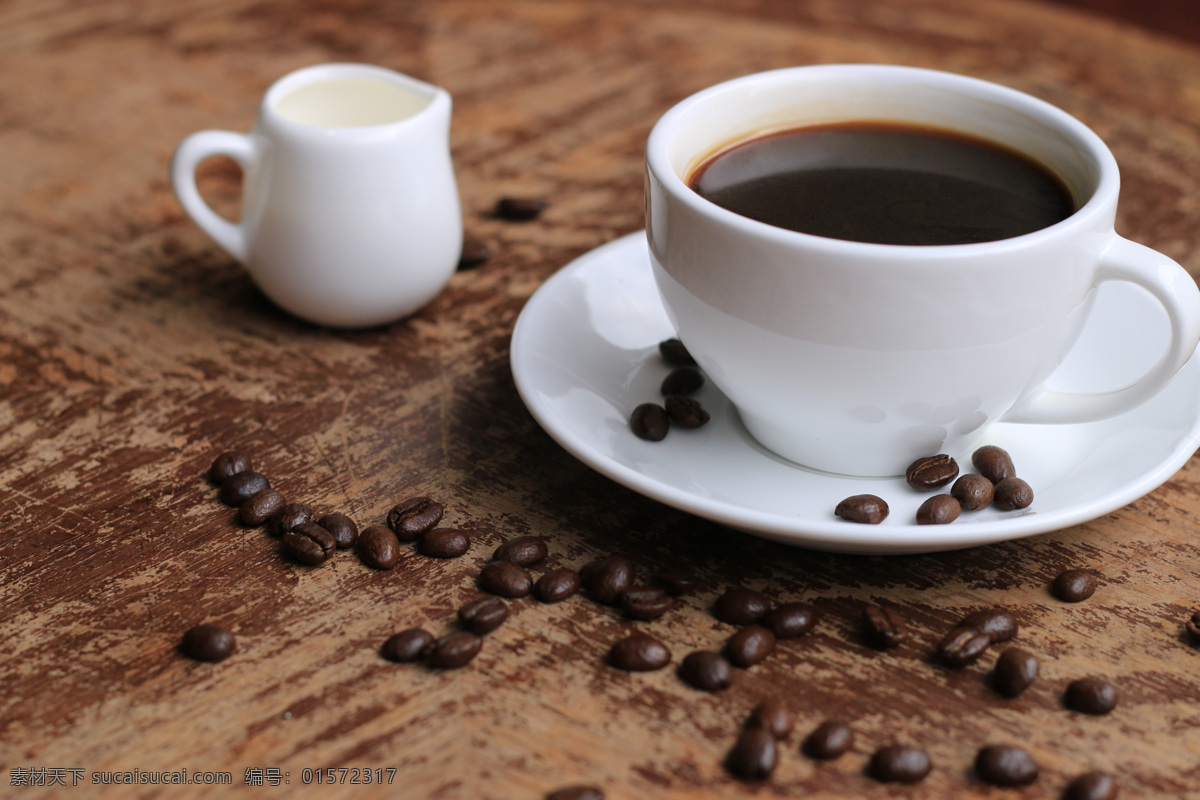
(585, 353)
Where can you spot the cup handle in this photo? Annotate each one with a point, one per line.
(191, 151)
(1175, 289)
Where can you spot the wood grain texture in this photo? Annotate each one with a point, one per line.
(132, 351)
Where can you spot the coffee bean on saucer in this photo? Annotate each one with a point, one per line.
(506, 579)
(444, 543)
(863, 508)
(557, 585)
(524, 550)
(378, 547)
(790, 619)
(774, 716)
(884, 626)
(686, 412)
(941, 509)
(413, 517)
(649, 421)
(899, 764)
(1094, 696)
(483, 616)
(993, 463)
(1005, 765)
(1012, 493)
(674, 353)
(259, 508)
(754, 756)
(931, 472)
(475, 252)
(829, 740)
(520, 209)
(1074, 585)
(580, 792)
(288, 517)
(998, 624)
(308, 544)
(406, 646)
(682, 380)
(972, 491)
(1015, 671)
(706, 671)
(607, 578)
(1192, 627)
(749, 646)
(962, 646)
(344, 529)
(741, 606)
(638, 652)
(237, 489)
(645, 602)
(208, 643)
(227, 465)
(453, 650)
(1091, 786)
(676, 582)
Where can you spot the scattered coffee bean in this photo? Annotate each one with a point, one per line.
(973, 492)
(829, 740)
(344, 529)
(607, 578)
(682, 380)
(962, 646)
(1015, 671)
(1091, 696)
(453, 650)
(754, 755)
(237, 489)
(749, 646)
(649, 421)
(931, 472)
(638, 652)
(993, 463)
(1074, 585)
(520, 209)
(287, 518)
(1192, 627)
(899, 764)
(227, 465)
(524, 550)
(444, 543)
(378, 547)
(576, 793)
(676, 583)
(1012, 493)
(259, 508)
(941, 509)
(686, 412)
(790, 619)
(505, 579)
(998, 624)
(706, 671)
(1091, 786)
(474, 253)
(406, 646)
(774, 717)
(484, 615)
(741, 606)
(557, 585)
(645, 602)
(208, 643)
(863, 508)
(1005, 765)
(414, 517)
(674, 353)
(309, 544)
(884, 625)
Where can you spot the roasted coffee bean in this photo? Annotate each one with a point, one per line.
(483, 615)
(576, 793)
(1015, 671)
(1011, 494)
(309, 544)
(1074, 585)
(208, 643)
(645, 602)
(899, 764)
(884, 625)
(941, 509)
(474, 253)
(344, 529)
(406, 646)
(523, 550)
(993, 463)
(1005, 765)
(259, 508)
(682, 380)
(1091, 786)
(829, 740)
(505, 579)
(413, 517)
(557, 585)
(287, 518)
(863, 508)
(674, 353)
(675, 582)
(774, 717)
(686, 412)
(931, 472)
(1192, 627)
(649, 421)
(749, 646)
(444, 543)
(378, 547)
(754, 755)
(1091, 696)
(227, 465)
(972, 492)
(638, 652)
(237, 489)
(741, 606)
(706, 671)
(790, 619)
(453, 650)
(962, 646)
(607, 578)
(998, 624)
(520, 209)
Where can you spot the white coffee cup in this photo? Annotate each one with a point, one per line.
(858, 358)
(350, 210)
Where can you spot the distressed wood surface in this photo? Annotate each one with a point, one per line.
(132, 351)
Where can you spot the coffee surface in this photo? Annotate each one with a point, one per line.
(884, 183)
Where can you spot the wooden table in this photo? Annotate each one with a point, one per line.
(132, 351)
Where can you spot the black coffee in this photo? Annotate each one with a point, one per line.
(886, 183)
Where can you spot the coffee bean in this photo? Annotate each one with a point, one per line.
(706, 671)
(444, 543)
(505, 579)
(686, 412)
(682, 380)
(227, 465)
(237, 489)
(862, 508)
(638, 652)
(749, 646)
(774, 717)
(288, 518)
(474, 253)
(998, 624)
(754, 755)
(941, 509)
(829, 740)
(1074, 585)
(962, 646)
(973, 492)
(649, 421)
(993, 463)
(675, 582)
(1094, 696)
(741, 606)
(790, 619)
(259, 508)
(1091, 786)
(673, 352)
(406, 646)
(483, 615)
(557, 585)
(645, 602)
(453, 650)
(931, 472)
(413, 517)
(607, 578)
(208, 643)
(523, 550)
(1015, 671)
(1012, 493)
(576, 793)
(1192, 627)
(344, 529)
(884, 625)
(520, 209)
(378, 547)
(1005, 765)
(899, 764)
(309, 544)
